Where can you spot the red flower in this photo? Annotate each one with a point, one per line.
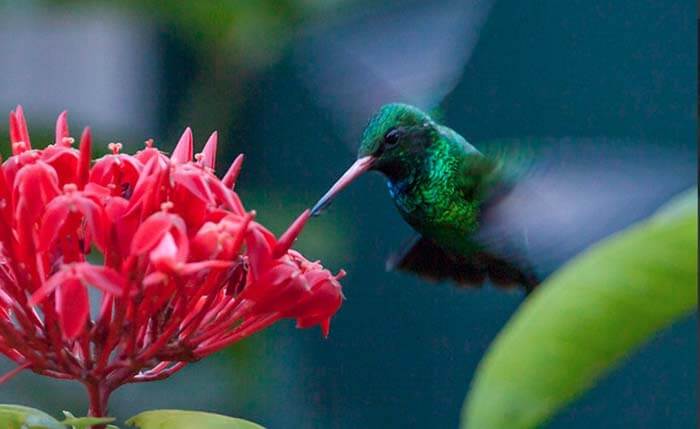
(184, 269)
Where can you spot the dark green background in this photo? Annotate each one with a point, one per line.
(402, 353)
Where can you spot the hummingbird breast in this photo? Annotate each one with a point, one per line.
(431, 203)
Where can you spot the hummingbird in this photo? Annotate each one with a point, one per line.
(504, 214)
(443, 187)
(508, 210)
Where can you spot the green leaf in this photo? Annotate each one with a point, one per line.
(587, 317)
(86, 422)
(20, 417)
(181, 419)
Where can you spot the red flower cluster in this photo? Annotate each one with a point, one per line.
(182, 269)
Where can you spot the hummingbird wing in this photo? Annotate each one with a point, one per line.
(414, 52)
(432, 262)
(557, 197)
(573, 192)
(504, 262)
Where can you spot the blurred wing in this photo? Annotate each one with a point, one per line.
(426, 259)
(577, 191)
(413, 54)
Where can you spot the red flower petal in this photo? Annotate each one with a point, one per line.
(83, 173)
(234, 170)
(184, 149)
(5, 208)
(61, 128)
(164, 254)
(285, 241)
(150, 233)
(52, 222)
(103, 278)
(72, 306)
(196, 267)
(123, 225)
(260, 251)
(15, 133)
(309, 322)
(205, 244)
(18, 128)
(147, 182)
(22, 123)
(227, 196)
(36, 185)
(209, 151)
(194, 182)
(325, 299)
(96, 220)
(49, 286)
(279, 290)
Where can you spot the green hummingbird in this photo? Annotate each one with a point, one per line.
(443, 187)
(512, 211)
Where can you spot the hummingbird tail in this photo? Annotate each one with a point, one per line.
(432, 262)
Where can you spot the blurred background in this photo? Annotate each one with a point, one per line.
(290, 83)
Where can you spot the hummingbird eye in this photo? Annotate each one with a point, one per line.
(392, 137)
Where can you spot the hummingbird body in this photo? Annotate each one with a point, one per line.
(441, 186)
(433, 198)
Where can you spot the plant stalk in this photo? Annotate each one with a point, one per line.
(98, 396)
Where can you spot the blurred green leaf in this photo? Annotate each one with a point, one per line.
(181, 419)
(586, 317)
(20, 417)
(86, 422)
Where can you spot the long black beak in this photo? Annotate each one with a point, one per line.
(356, 170)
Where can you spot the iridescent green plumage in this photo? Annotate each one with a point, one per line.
(437, 180)
(443, 187)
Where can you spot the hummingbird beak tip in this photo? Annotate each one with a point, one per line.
(356, 169)
(316, 210)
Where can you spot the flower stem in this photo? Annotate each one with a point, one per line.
(98, 395)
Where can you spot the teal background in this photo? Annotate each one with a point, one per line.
(402, 353)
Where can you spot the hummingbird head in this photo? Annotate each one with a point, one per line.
(394, 135)
(393, 143)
